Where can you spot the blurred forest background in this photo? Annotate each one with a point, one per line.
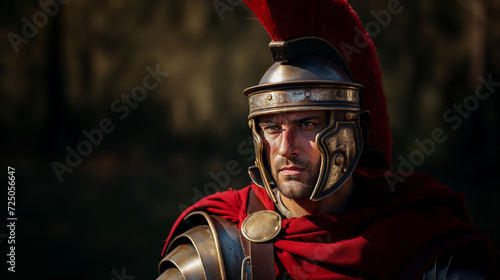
(115, 208)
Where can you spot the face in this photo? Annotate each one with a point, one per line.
(291, 152)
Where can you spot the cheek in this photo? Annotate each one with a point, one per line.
(270, 155)
(270, 147)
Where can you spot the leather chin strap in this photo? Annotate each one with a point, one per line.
(261, 254)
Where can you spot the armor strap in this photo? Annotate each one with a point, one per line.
(261, 254)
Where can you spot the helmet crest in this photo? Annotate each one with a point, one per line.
(335, 22)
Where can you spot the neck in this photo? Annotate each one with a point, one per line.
(332, 204)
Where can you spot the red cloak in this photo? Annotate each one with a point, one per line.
(383, 235)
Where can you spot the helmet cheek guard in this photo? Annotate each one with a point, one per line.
(260, 173)
(340, 145)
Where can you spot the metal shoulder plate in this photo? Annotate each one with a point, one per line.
(470, 262)
(204, 247)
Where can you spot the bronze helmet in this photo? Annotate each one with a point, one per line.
(310, 74)
(324, 58)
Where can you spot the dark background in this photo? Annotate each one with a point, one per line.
(115, 208)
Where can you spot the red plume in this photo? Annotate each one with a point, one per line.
(335, 22)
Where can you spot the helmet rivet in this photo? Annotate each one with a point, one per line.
(307, 94)
(349, 116)
(339, 160)
(269, 97)
(344, 170)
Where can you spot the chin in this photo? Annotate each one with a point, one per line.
(295, 190)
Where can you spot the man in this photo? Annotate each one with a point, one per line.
(322, 204)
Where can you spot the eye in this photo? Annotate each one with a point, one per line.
(271, 129)
(308, 124)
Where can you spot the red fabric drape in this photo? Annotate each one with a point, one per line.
(381, 236)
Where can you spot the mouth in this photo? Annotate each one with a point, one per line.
(291, 170)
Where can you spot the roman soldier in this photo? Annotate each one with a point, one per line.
(322, 204)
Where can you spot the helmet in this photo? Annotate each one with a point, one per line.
(310, 73)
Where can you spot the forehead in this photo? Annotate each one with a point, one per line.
(290, 116)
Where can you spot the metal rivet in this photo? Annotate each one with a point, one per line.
(307, 94)
(339, 160)
(349, 116)
(269, 97)
(344, 170)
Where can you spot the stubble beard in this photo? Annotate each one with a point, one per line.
(296, 187)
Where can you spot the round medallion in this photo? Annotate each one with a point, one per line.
(261, 226)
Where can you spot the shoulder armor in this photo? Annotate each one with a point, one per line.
(467, 262)
(204, 247)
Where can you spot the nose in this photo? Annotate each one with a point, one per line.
(288, 147)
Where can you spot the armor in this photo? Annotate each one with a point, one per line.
(204, 247)
(469, 262)
(209, 247)
(310, 74)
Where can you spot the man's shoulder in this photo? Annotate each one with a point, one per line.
(226, 204)
(231, 199)
(420, 187)
(228, 200)
(414, 182)
(399, 190)
(425, 192)
(434, 219)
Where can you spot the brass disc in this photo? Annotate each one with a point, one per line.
(261, 226)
